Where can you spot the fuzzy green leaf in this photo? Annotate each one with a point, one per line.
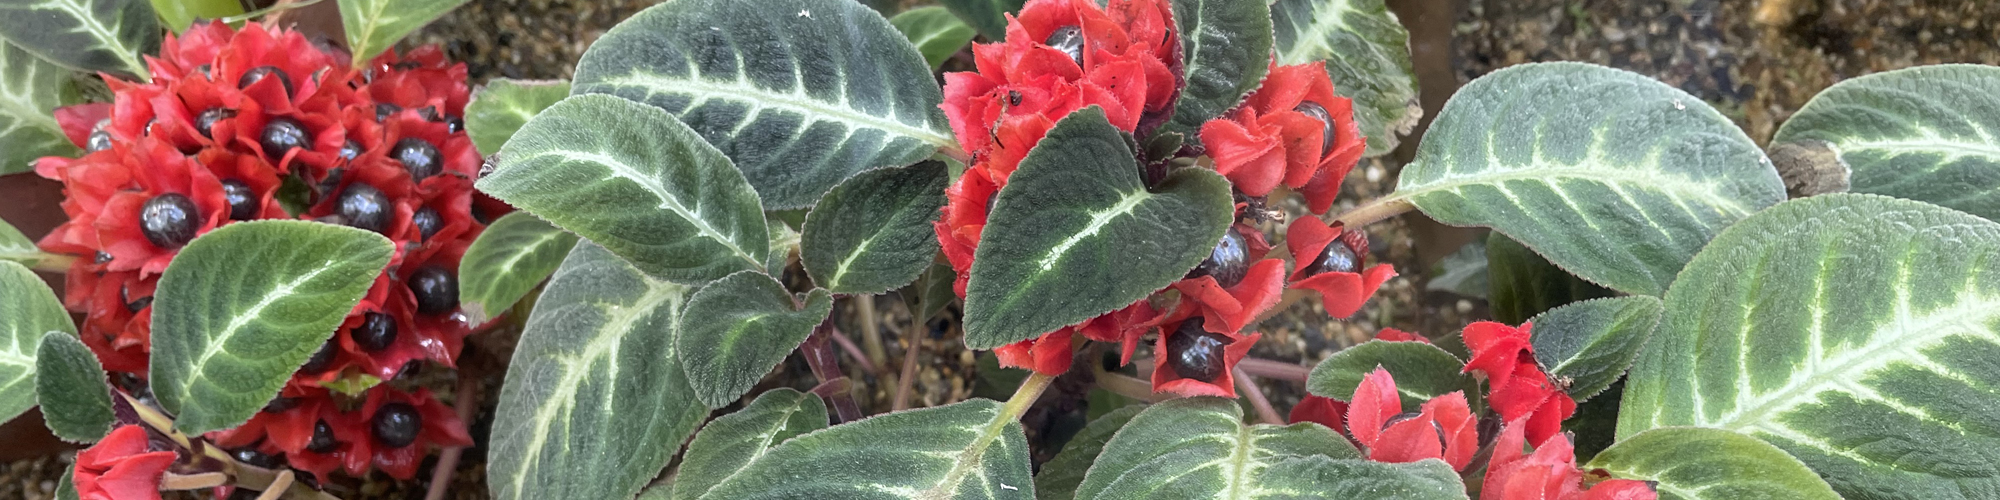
(873, 233)
(111, 36)
(373, 26)
(987, 16)
(1693, 463)
(1422, 372)
(595, 401)
(935, 31)
(800, 94)
(514, 254)
(28, 310)
(1522, 284)
(1924, 133)
(732, 441)
(932, 293)
(1225, 51)
(33, 89)
(965, 451)
(69, 383)
(1587, 345)
(737, 328)
(503, 105)
(1062, 474)
(633, 179)
(1076, 233)
(1616, 177)
(1367, 54)
(16, 247)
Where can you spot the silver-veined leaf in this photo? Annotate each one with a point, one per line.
(69, 384)
(1062, 474)
(111, 36)
(736, 328)
(243, 306)
(732, 441)
(1422, 371)
(1076, 233)
(1613, 176)
(30, 90)
(1925, 133)
(503, 105)
(181, 14)
(987, 16)
(935, 31)
(514, 254)
(1522, 284)
(873, 233)
(16, 247)
(1367, 54)
(28, 310)
(964, 451)
(629, 177)
(595, 401)
(374, 26)
(801, 94)
(1225, 52)
(932, 292)
(1856, 332)
(1695, 463)
(1587, 345)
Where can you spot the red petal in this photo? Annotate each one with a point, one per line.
(1375, 402)
(1394, 335)
(1343, 293)
(1622, 489)
(1456, 426)
(1407, 440)
(1320, 410)
(77, 121)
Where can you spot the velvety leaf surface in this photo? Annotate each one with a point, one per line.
(69, 384)
(1463, 272)
(374, 26)
(1522, 284)
(243, 306)
(1422, 371)
(595, 401)
(1856, 332)
(1923, 133)
(90, 35)
(732, 441)
(873, 233)
(1587, 345)
(784, 243)
(180, 14)
(1318, 477)
(66, 487)
(503, 105)
(935, 31)
(28, 310)
(737, 328)
(1693, 463)
(1193, 448)
(967, 450)
(800, 94)
(1062, 474)
(1367, 54)
(633, 179)
(987, 16)
(1076, 234)
(514, 254)
(16, 247)
(932, 291)
(1616, 177)
(30, 89)
(1225, 51)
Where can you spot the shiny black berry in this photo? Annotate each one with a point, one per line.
(1196, 353)
(1318, 112)
(453, 124)
(280, 404)
(428, 222)
(1228, 262)
(436, 290)
(242, 199)
(320, 360)
(168, 220)
(1336, 259)
(281, 135)
(376, 332)
(410, 369)
(100, 139)
(384, 110)
(204, 123)
(259, 73)
(349, 150)
(418, 156)
(251, 456)
(134, 305)
(1068, 39)
(322, 439)
(396, 425)
(365, 207)
(101, 257)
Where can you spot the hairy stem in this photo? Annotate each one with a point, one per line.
(1375, 211)
(826, 366)
(1248, 387)
(1031, 390)
(852, 351)
(1273, 369)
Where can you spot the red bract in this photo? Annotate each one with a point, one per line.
(1520, 390)
(1394, 335)
(439, 426)
(1342, 293)
(121, 467)
(1230, 309)
(1280, 135)
(1166, 380)
(1549, 473)
(1048, 354)
(1443, 429)
(1329, 412)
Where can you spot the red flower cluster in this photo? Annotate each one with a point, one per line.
(263, 124)
(1443, 429)
(1550, 473)
(1292, 130)
(1520, 390)
(121, 467)
(1330, 264)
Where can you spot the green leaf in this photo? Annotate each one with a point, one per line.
(732, 441)
(1321, 477)
(1367, 54)
(373, 26)
(180, 14)
(873, 233)
(801, 94)
(1923, 133)
(33, 89)
(28, 309)
(1422, 371)
(1076, 233)
(1616, 177)
(1062, 474)
(1522, 284)
(89, 35)
(1463, 272)
(514, 254)
(966, 450)
(935, 31)
(1587, 345)
(503, 105)
(932, 292)
(16, 247)
(631, 178)
(784, 242)
(1225, 51)
(987, 16)
(69, 383)
(737, 328)
(1856, 332)
(66, 488)
(595, 401)
(1693, 463)
(242, 307)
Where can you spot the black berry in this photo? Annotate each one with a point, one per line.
(396, 425)
(436, 290)
(365, 207)
(101, 257)
(384, 110)
(1068, 39)
(1318, 112)
(204, 123)
(418, 156)
(1336, 259)
(281, 135)
(100, 139)
(453, 124)
(376, 332)
(249, 455)
(168, 220)
(428, 222)
(131, 305)
(1196, 353)
(349, 150)
(242, 200)
(259, 73)
(1228, 262)
(322, 439)
(320, 360)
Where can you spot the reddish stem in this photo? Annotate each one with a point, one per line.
(447, 464)
(1273, 369)
(853, 351)
(826, 366)
(1248, 387)
(903, 383)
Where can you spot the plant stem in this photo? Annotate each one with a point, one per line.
(1250, 390)
(1031, 390)
(1375, 211)
(909, 376)
(447, 464)
(1124, 385)
(1274, 369)
(826, 366)
(53, 262)
(172, 481)
(853, 351)
(871, 333)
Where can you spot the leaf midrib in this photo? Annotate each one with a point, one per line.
(86, 20)
(620, 169)
(974, 452)
(524, 250)
(1929, 144)
(236, 324)
(1098, 219)
(1324, 23)
(1653, 181)
(704, 89)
